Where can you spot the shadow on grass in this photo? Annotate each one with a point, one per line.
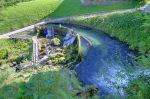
(74, 7)
(49, 85)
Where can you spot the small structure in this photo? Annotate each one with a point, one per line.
(96, 2)
(35, 51)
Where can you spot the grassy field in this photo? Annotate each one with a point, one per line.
(27, 13)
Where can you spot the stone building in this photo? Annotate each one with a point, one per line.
(95, 2)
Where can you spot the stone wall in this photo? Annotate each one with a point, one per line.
(95, 2)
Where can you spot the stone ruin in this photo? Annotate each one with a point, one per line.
(68, 37)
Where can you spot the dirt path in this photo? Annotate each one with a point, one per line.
(7, 35)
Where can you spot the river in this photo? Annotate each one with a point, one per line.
(108, 64)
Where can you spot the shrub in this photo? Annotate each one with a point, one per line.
(3, 53)
(139, 88)
(55, 41)
(146, 24)
(142, 1)
(47, 85)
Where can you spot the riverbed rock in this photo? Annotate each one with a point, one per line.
(88, 91)
(68, 39)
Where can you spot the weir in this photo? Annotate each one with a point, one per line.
(35, 51)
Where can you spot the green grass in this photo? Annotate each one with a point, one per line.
(139, 88)
(27, 13)
(46, 84)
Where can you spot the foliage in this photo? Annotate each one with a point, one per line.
(142, 1)
(12, 50)
(57, 58)
(5, 3)
(146, 24)
(71, 54)
(144, 59)
(27, 13)
(139, 88)
(55, 41)
(47, 84)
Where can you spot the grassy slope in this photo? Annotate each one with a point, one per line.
(47, 84)
(27, 13)
(125, 26)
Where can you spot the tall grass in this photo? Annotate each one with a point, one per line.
(14, 50)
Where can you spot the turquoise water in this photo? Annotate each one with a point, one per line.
(108, 63)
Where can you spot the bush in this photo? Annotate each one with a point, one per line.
(47, 85)
(146, 24)
(142, 1)
(55, 41)
(139, 88)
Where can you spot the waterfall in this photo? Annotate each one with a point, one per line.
(50, 32)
